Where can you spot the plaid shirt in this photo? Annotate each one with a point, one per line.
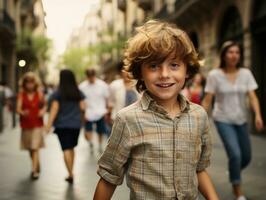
(160, 155)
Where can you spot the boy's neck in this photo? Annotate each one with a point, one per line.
(171, 107)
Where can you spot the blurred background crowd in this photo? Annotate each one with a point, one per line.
(99, 40)
(98, 45)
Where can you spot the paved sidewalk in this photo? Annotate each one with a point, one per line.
(15, 170)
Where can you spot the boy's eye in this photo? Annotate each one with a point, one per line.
(153, 66)
(174, 65)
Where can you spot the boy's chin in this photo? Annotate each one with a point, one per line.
(164, 97)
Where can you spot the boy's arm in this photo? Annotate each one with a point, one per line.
(206, 187)
(104, 190)
(112, 164)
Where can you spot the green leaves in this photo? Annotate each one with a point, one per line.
(33, 49)
(79, 59)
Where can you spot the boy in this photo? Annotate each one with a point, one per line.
(162, 142)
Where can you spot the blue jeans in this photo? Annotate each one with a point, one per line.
(238, 148)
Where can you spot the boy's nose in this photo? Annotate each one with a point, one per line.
(164, 71)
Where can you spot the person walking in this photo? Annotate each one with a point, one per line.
(162, 142)
(66, 115)
(122, 93)
(196, 89)
(96, 94)
(230, 84)
(31, 107)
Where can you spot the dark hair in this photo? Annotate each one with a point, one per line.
(227, 45)
(90, 72)
(68, 88)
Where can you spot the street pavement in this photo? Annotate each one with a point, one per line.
(15, 183)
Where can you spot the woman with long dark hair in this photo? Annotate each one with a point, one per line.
(230, 84)
(66, 116)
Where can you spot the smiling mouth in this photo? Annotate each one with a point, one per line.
(164, 85)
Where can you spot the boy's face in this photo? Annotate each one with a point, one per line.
(164, 80)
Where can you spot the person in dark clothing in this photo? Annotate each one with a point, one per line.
(66, 115)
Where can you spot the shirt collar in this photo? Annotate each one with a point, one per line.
(147, 100)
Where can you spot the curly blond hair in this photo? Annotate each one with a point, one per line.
(29, 76)
(154, 42)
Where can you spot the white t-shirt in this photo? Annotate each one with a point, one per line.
(97, 95)
(118, 96)
(8, 92)
(230, 104)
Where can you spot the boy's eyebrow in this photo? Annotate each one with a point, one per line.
(175, 59)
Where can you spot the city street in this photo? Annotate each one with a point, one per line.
(15, 183)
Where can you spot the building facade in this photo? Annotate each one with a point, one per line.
(210, 23)
(16, 15)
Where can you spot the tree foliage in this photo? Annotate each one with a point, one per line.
(78, 59)
(33, 49)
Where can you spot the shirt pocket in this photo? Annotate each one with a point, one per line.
(188, 148)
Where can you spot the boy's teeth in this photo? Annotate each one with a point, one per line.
(165, 85)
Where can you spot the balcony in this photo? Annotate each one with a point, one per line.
(26, 7)
(27, 14)
(145, 4)
(7, 26)
(122, 5)
(186, 11)
(182, 6)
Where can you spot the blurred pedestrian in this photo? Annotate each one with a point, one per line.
(8, 104)
(66, 115)
(230, 84)
(196, 89)
(96, 94)
(31, 107)
(8, 93)
(162, 142)
(122, 93)
(49, 91)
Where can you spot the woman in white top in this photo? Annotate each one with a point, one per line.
(230, 85)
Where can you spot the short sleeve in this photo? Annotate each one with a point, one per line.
(206, 147)
(211, 84)
(251, 82)
(82, 95)
(55, 96)
(112, 164)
